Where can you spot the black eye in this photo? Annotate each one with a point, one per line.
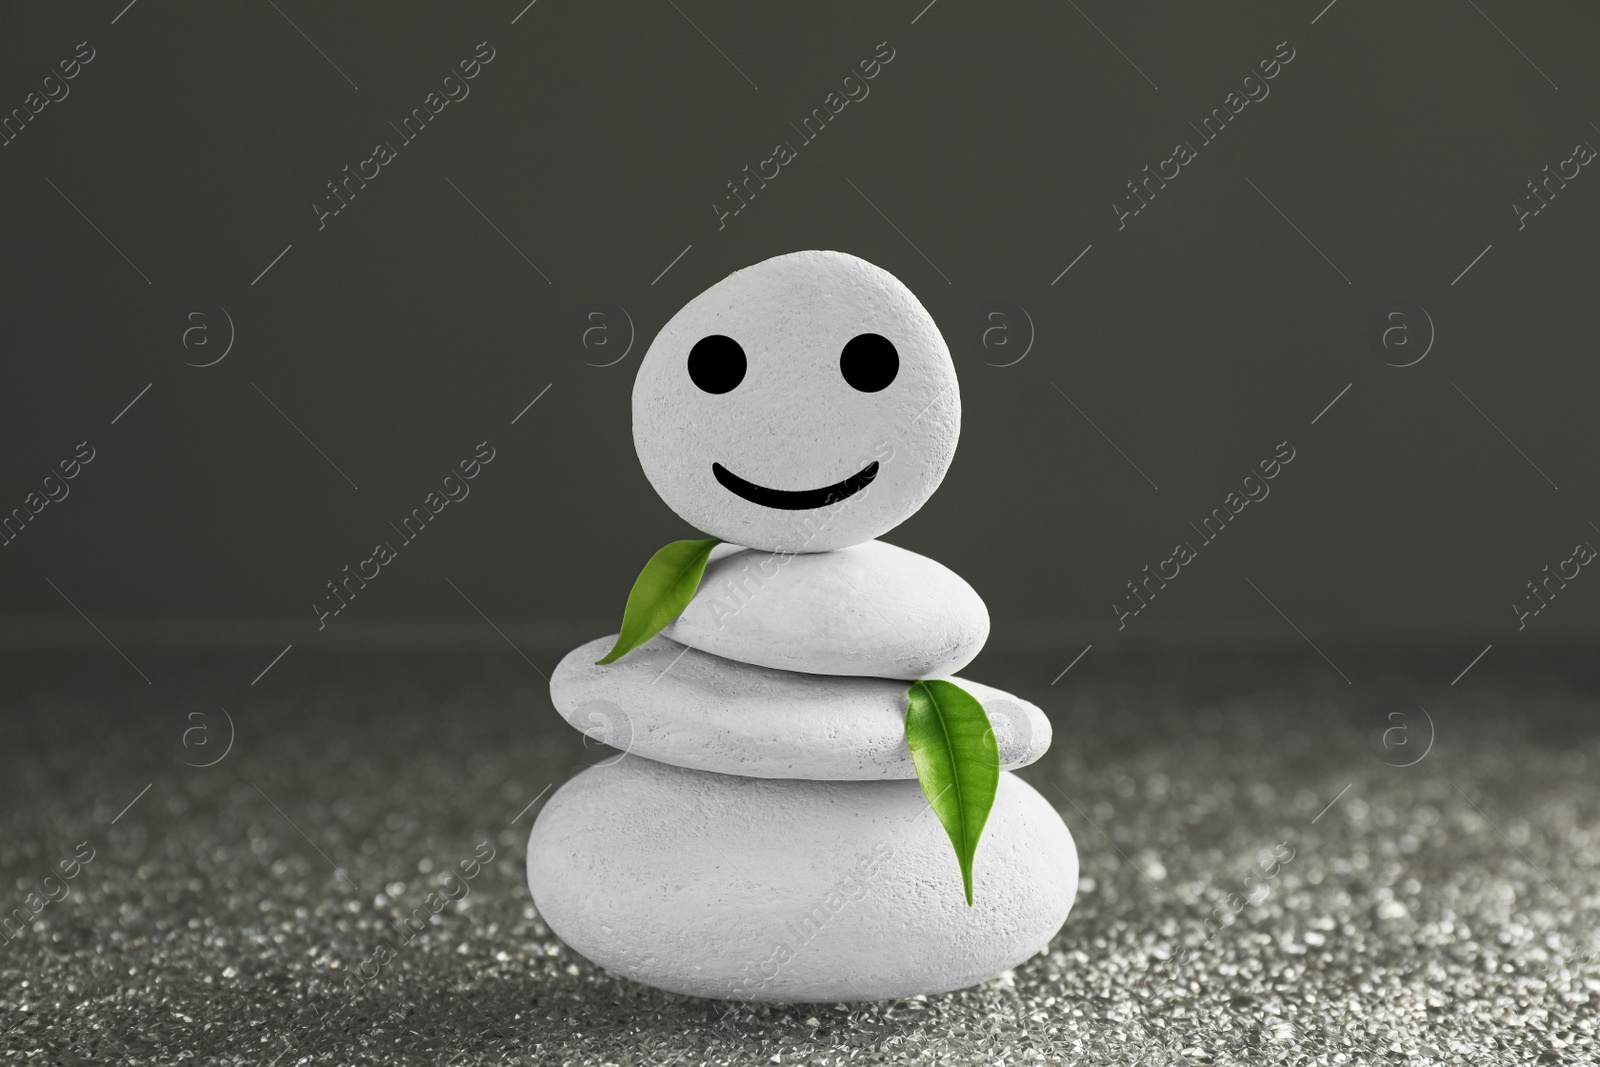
(716, 364)
(869, 362)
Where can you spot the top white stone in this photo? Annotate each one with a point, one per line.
(871, 610)
(809, 448)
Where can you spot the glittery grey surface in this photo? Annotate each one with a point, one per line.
(1442, 912)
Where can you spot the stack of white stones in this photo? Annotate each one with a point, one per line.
(761, 834)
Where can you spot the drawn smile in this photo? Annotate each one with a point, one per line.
(795, 499)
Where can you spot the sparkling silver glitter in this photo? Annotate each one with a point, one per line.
(1261, 883)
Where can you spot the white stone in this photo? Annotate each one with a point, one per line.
(794, 423)
(668, 702)
(752, 889)
(871, 610)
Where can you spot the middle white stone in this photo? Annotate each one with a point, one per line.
(674, 704)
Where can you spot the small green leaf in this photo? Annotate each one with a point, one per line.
(957, 761)
(660, 593)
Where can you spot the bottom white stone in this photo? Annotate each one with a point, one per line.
(745, 888)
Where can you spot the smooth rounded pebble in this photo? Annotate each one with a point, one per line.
(871, 610)
(748, 889)
(790, 407)
(668, 702)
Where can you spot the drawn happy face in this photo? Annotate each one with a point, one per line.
(803, 404)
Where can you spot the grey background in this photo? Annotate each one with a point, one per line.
(1196, 339)
(275, 798)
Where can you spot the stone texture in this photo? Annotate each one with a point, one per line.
(668, 702)
(747, 889)
(794, 423)
(870, 610)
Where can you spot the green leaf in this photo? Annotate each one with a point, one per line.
(660, 593)
(957, 760)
